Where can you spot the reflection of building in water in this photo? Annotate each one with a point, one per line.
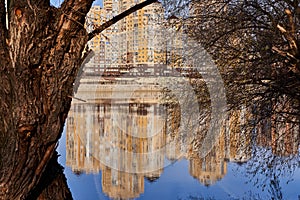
(78, 142)
(233, 144)
(279, 132)
(285, 136)
(121, 185)
(208, 170)
(125, 141)
(176, 142)
(239, 148)
(129, 142)
(212, 167)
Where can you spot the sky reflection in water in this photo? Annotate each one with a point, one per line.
(175, 180)
(177, 183)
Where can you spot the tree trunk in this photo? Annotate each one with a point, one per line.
(40, 54)
(41, 50)
(53, 183)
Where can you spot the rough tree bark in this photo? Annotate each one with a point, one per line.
(40, 54)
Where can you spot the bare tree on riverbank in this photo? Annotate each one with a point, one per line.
(256, 46)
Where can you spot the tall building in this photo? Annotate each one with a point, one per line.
(95, 18)
(139, 43)
(136, 38)
(107, 5)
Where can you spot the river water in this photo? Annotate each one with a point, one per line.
(126, 140)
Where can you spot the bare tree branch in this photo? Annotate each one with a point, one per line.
(256, 47)
(119, 17)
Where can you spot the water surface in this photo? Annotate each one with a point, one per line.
(122, 141)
